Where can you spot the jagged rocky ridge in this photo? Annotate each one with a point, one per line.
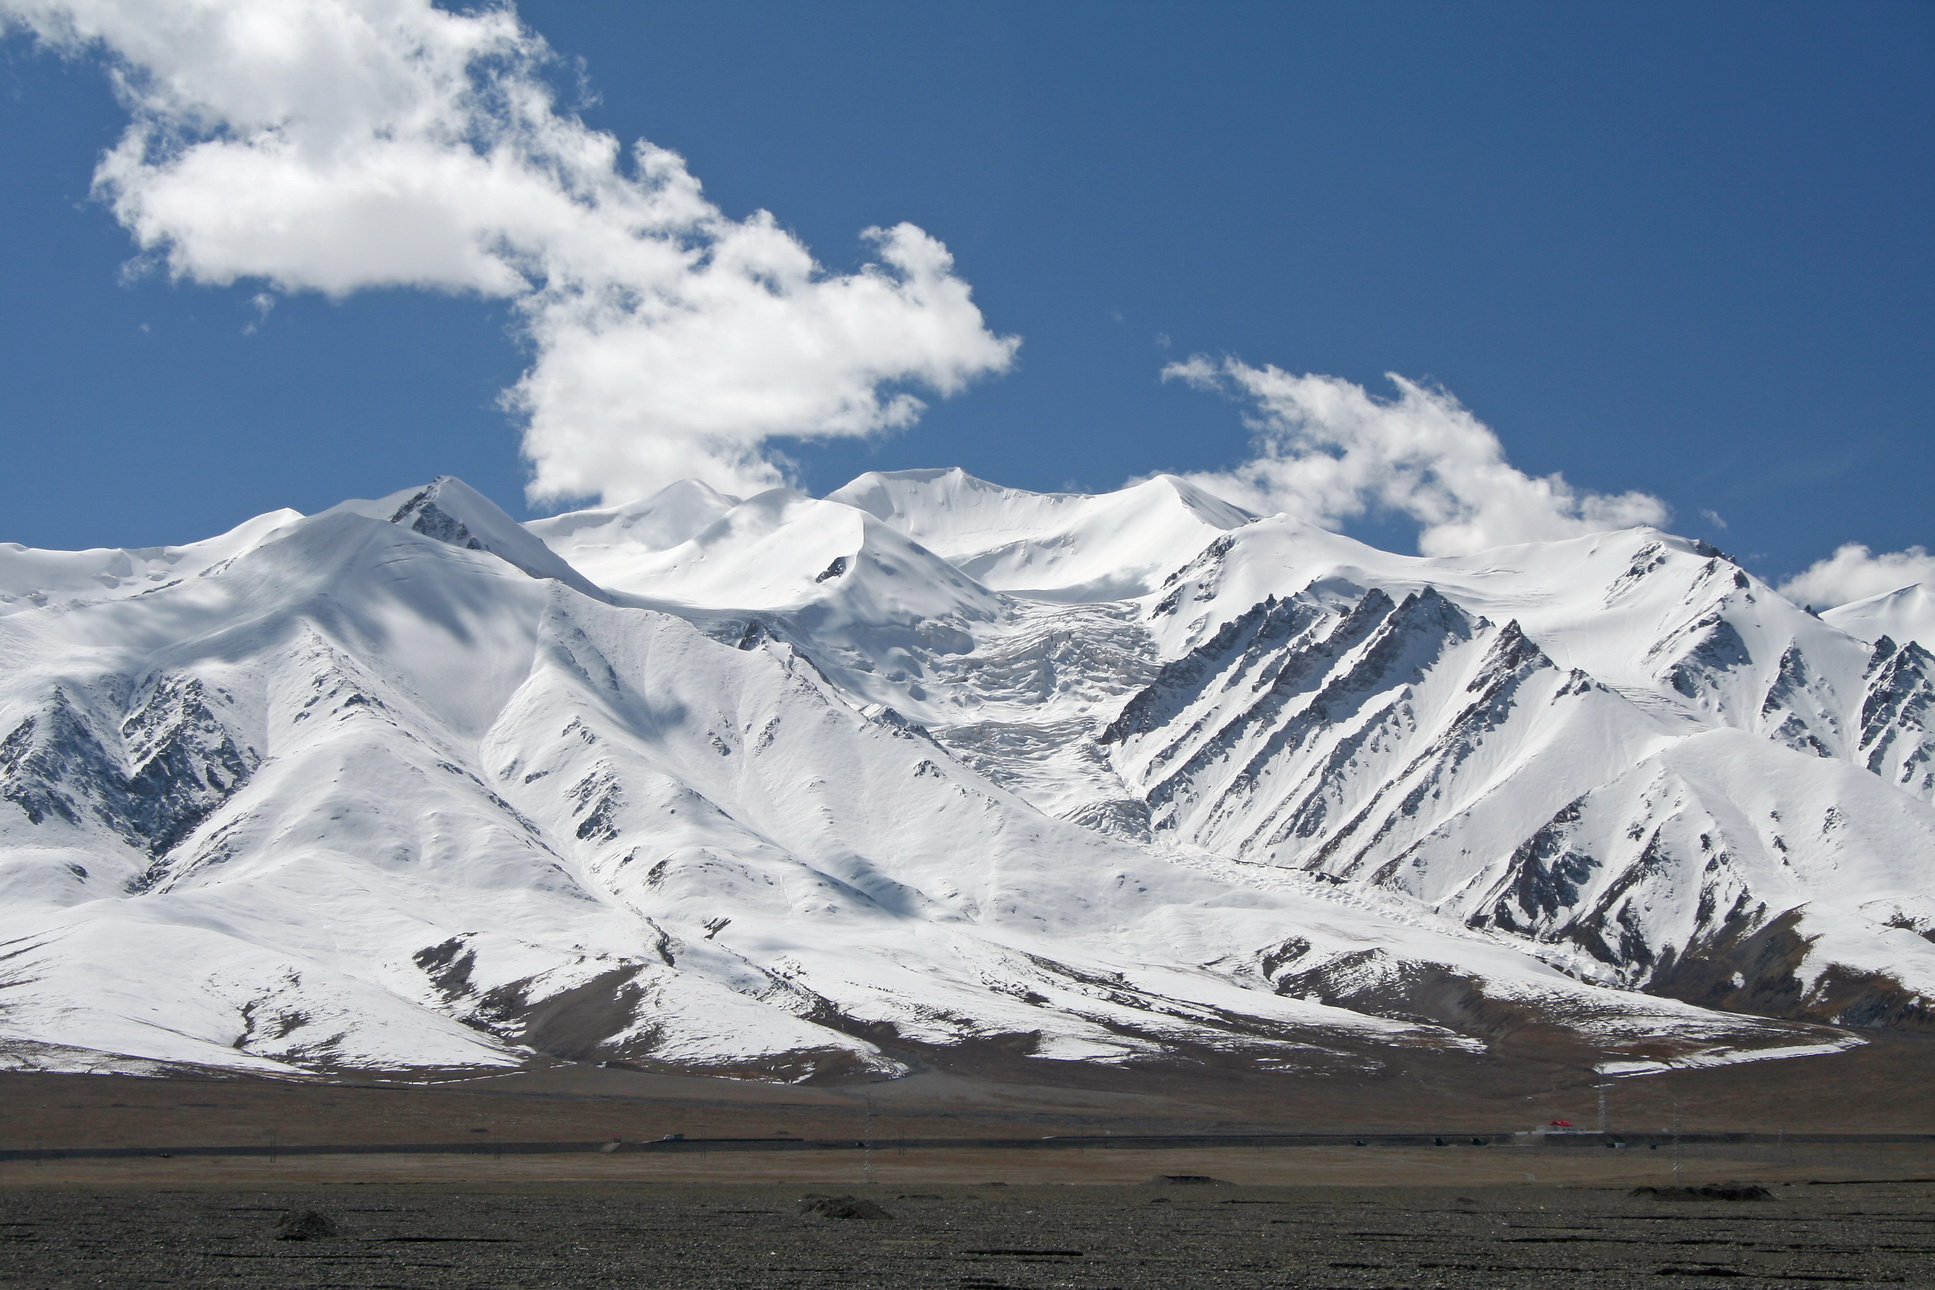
(790, 788)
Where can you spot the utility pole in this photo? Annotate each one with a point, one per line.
(866, 1142)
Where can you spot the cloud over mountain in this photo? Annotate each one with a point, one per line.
(346, 145)
(1854, 572)
(1329, 451)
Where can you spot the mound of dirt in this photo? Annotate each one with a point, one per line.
(840, 1207)
(304, 1225)
(1711, 1191)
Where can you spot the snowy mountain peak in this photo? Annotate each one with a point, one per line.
(1907, 613)
(674, 514)
(453, 512)
(952, 511)
(782, 549)
(794, 787)
(1068, 547)
(33, 578)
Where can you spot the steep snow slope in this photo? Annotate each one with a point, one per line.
(32, 578)
(1048, 546)
(1905, 614)
(374, 798)
(1440, 728)
(799, 787)
(1649, 759)
(1674, 626)
(605, 543)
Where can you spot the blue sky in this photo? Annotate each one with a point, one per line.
(1679, 250)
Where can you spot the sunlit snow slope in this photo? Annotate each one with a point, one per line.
(794, 787)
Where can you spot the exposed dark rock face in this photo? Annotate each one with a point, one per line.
(421, 514)
(1897, 740)
(1547, 875)
(187, 762)
(1307, 734)
(169, 766)
(54, 767)
(1799, 709)
(1754, 963)
(1715, 648)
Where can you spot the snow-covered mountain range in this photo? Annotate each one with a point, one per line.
(795, 787)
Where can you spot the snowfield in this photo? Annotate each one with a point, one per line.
(789, 788)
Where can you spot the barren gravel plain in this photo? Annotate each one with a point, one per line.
(1841, 1146)
(1155, 1236)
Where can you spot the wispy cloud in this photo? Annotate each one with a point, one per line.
(1328, 451)
(343, 145)
(1854, 572)
(263, 302)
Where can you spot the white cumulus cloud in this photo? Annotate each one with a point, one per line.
(1854, 572)
(1329, 451)
(343, 145)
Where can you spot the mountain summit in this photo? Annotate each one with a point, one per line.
(798, 788)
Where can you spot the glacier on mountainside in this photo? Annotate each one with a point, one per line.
(798, 788)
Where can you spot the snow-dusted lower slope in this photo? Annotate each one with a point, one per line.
(786, 786)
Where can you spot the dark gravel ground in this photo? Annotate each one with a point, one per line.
(1167, 1236)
